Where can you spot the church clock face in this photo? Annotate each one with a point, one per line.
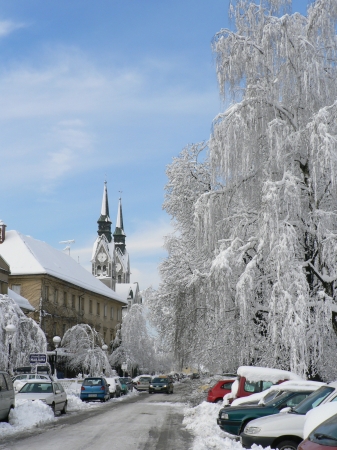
(101, 257)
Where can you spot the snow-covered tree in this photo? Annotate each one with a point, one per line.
(28, 337)
(265, 229)
(83, 346)
(133, 344)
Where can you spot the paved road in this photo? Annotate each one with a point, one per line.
(145, 422)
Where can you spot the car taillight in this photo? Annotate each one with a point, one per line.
(138, 382)
(102, 388)
(82, 388)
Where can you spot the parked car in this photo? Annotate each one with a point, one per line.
(324, 437)
(233, 419)
(253, 379)
(95, 388)
(126, 384)
(143, 383)
(219, 390)
(7, 396)
(115, 387)
(285, 430)
(20, 380)
(161, 384)
(47, 391)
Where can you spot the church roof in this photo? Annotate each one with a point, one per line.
(105, 204)
(119, 230)
(28, 256)
(123, 290)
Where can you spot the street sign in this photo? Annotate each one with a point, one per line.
(38, 358)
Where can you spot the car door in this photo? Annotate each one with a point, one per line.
(63, 395)
(4, 398)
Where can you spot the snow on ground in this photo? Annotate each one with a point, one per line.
(201, 421)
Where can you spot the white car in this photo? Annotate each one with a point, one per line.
(47, 391)
(20, 380)
(285, 430)
(115, 387)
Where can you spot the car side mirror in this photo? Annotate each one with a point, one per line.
(57, 391)
(108, 384)
(286, 409)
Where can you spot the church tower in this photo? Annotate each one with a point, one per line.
(122, 256)
(104, 222)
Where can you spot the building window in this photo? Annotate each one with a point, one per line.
(90, 306)
(55, 329)
(99, 270)
(56, 296)
(104, 270)
(119, 278)
(111, 336)
(98, 309)
(105, 310)
(73, 301)
(64, 298)
(16, 288)
(104, 336)
(82, 303)
(118, 314)
(64, 329)
(112, 312)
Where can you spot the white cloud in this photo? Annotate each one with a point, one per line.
(7, 27)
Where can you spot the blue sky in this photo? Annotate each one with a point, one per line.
(105, 89)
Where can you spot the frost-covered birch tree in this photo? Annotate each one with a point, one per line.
(28, 337)
(133, 344)
(267, 226)
(83, 346)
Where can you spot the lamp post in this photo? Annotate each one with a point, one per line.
(10, 331)
(104, 348)
(56, 340)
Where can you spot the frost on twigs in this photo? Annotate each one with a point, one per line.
(255, 242)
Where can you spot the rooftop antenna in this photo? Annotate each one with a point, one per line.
(68, 243)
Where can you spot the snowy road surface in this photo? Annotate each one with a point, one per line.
(139, 423)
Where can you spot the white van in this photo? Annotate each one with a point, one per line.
(7, 396)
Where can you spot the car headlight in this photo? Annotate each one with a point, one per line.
(252, 430)
(224, 416)
(151, 385)
(165, 386)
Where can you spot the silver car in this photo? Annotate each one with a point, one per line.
(49, 392)
(143, 383)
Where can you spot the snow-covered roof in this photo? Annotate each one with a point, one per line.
(254, 373)
(123, 289)
(20, 301)
(28, 256)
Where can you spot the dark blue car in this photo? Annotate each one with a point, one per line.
(95, 388)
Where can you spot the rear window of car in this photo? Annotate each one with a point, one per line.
(227, 386)
(313, 400)
(144, 379)
(160, 380)
(93, 382)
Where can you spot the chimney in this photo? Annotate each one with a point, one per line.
(2, 231)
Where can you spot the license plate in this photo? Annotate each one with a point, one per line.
(92, 395)
(157, 387)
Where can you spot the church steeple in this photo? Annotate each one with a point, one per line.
(119, 235)
(104, 222)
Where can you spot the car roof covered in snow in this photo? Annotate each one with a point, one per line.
(255, 373)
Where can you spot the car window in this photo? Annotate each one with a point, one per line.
(270, 396)
(294, 401)
(252, 386)
(313, 400)
(266, 385)
(37, 388)
(3, 383)
(92, 382)
(9, 381)
(227, 386)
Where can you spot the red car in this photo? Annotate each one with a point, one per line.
(324, 437)
(219, 390)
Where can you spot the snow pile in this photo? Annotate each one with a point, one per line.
(27, 414)
(254, 373)
(201, 421)
(76, 404)
(317, 416)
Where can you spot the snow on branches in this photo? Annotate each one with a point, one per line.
(256, 228)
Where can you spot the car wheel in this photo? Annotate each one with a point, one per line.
(6, 419)
(65, 407)
(53, 407)
(287, 445)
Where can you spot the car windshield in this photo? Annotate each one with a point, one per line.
(326, 433)
(278, 400)
(313, 400)
(160, 380)
(123, 380)
(270, 397)
(37, 388)
(92, 382)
